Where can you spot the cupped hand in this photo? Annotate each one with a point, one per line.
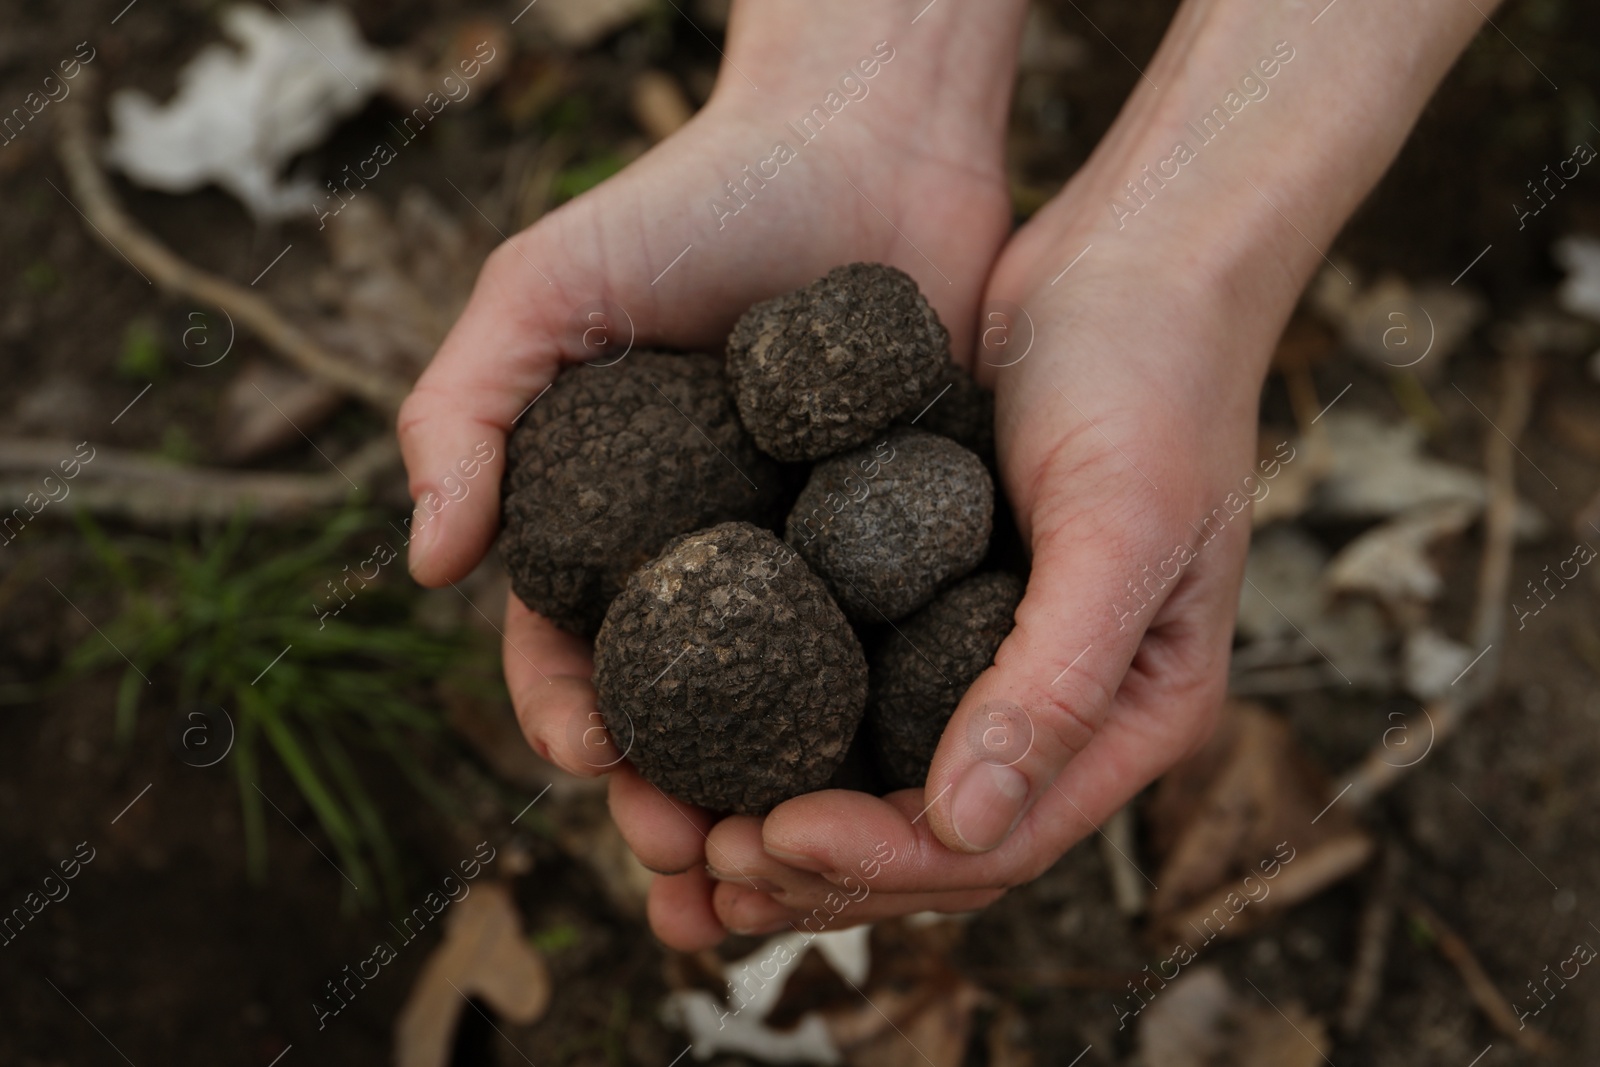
(908, 173)
(1127, 389)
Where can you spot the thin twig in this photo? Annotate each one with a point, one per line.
(153, 490)
(1117, 847)
(1377, 923)
(98, 202)
(1377, 771)
(1489, 999)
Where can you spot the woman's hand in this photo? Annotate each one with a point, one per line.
(889, 158)
(1153, 289)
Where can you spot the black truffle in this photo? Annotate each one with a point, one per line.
(827, 367)
(727, 674)
(958, 408)
(609, 465)
(888, 525)
(920, 674)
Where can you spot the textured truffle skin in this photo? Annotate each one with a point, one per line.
(958, 408)
(911, 697)
(728, 674)
(827, 367)
(609, 465)
(888, 525)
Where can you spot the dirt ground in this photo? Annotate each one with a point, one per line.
(167, 951)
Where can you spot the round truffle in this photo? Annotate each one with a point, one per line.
(958, 408)
(888, 525)
(921, 673)
(727, 674)
(609, 465)
(825, 368)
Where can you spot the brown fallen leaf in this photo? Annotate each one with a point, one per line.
(659, 104)
(1008, 1038)
(917, 1008)
(265, 405)
(409, 78)
(891, 1027)
(586, 831)
(577, 24)
(397, 284)
(1242, 832)
(1200, 1021)
(484, 955)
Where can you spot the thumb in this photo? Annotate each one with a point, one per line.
(1077, 629)
(499, 357)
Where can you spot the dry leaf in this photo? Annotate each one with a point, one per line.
(659, 104)
(577, 24)
(1431, 663)
(1199, 1021)
(239, 117)
(930, 1023)
(1008, 1042)
(1392, 326)
(1290, 492)
(1580, 292)
(587, 832)
(1292, 622)
(1233, 822)
(917, 1009)
(266, 405)
(1046, 47)
(396, 286)
(739, 1023)
(1390, 562)
(410, 79)
(485, 956)
(1378, 470)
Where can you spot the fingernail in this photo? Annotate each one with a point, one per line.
(986, 804)
(423, 535)
(761, 885)
(796, 860)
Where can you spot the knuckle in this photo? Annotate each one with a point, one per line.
(1069, 719)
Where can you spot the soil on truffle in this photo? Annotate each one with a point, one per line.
(920, 675)
(727, 673)
(888, 525)
(829, 366)
(612, 463)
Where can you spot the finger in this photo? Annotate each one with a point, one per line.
(680, 912)
(1163, 711)
(745, 911)
(886, 842)
(734, 853)
(503, 350)
(667, 835)
(1077, 629)
(547, 674)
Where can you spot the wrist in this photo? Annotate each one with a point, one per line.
(944, 70)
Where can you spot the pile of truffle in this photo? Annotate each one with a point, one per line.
(642, 502)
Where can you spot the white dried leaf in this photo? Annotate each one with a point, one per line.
(1378, 470)
(1390, 562)
(1290, 620)
(239, 116)
(740, 1026)
(1199, 1021)
(1580, 292)
(1432, 662)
